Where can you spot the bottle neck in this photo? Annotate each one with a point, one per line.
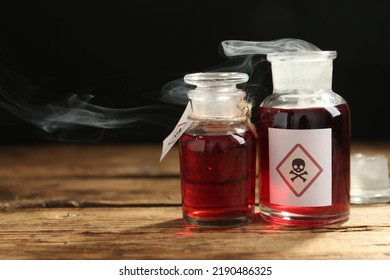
(223, 106)
(216, 96)
(306, 71)
(302, 76)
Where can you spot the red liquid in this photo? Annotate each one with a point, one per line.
(218, 178)
(308, 118)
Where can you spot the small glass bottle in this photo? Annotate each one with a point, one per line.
(304, 143)
(218, 153)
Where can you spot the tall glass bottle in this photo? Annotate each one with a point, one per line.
(218, 153)
(304, 143)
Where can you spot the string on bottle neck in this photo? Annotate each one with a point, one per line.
(245, 108)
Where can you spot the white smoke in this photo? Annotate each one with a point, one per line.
(242, 58)
(74, 112)
(237, 47)
(77, 110)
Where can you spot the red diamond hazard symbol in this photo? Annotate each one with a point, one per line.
(299, 170)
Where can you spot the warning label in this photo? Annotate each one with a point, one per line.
(300, 166)
(299, 170)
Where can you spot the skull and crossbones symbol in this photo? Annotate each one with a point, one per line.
(298, 170)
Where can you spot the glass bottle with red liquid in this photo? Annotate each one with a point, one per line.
(304, 143)
(218, 153)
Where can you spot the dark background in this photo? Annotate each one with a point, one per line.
(124, 52)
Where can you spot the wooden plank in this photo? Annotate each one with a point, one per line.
(160, 233)
(89, 192)
(372, 148)
(68, 183)
(36, 182)
(103, 160)
(61, 160)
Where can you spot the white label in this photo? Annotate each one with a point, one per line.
(300, 163)
(179, 129)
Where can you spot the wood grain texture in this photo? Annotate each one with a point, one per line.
(120, 202)
(160, 233)
(98, 161)
(371, 148)
(40, 193)
(83, 161)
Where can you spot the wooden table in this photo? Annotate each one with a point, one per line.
(105, 201)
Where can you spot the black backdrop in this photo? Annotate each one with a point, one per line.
(122, 53)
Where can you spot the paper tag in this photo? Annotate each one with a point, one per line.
(179, 129)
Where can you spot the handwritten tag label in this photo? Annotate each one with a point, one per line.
(179, 129)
